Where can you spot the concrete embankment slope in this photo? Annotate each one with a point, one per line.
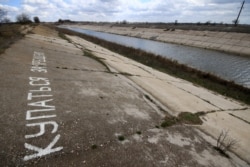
(238, 43)
(177, 95)
(59, 107)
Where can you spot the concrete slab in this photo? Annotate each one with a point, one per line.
(221, 35)
(215, 45)
(244, 43)
(237, 49)
(220, 40)
(225, 48)
(215, 123)
(174, 98)
(246, 50)
(210, 97)
(198, 38)
(232, 42)
(241, 114)
(238, 36)
(246, 37)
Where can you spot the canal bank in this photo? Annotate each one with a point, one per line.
(170, 66)
(229, 67)
(179, 96)
(230, 42)
(103, 118)
(234, 121)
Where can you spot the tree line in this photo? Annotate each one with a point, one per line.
(22, 18)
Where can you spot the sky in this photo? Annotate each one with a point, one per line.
(188, 11)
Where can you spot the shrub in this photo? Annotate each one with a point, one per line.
(36, 19)
(225, 143)
(23, 18)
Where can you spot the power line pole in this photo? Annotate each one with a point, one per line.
(236, 21)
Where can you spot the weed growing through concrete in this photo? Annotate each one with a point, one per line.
(225, 143)
(169, 122)
(121, 138)
(184, 117)
(91, 55)
(63, 36)
(138, 132)
(190, 118)
(94, 146)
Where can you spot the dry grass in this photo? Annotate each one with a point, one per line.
(182, 118)
(9, 33)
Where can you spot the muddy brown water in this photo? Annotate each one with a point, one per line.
(227, 66)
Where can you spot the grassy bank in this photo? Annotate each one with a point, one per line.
(9, 33)
(173, 68)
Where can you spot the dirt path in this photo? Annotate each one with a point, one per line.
(61, 108)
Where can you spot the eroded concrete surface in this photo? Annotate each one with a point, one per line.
(178, 96)
(61, 108)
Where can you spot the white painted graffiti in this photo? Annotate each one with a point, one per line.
(40, 151)
(39, 62)
(41, 101)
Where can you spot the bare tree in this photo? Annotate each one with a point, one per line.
(124, 22)
(5, 20)
(3, 14)
(23, 18)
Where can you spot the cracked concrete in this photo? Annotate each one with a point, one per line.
(92, 107)
(178, 96)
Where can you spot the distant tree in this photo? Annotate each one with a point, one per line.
(5, 20)
(60, 21)
(176, 22)
(124, 22)
(23, 18)
(208, 22)
(36, 19)
(3, 14)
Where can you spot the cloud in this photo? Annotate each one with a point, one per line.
(135, 10)
(11, 11)
(227, 1)
(35, 2)
(9, 8)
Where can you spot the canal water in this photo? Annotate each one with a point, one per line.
(227, 66)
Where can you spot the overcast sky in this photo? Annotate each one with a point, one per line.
(131, 10)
